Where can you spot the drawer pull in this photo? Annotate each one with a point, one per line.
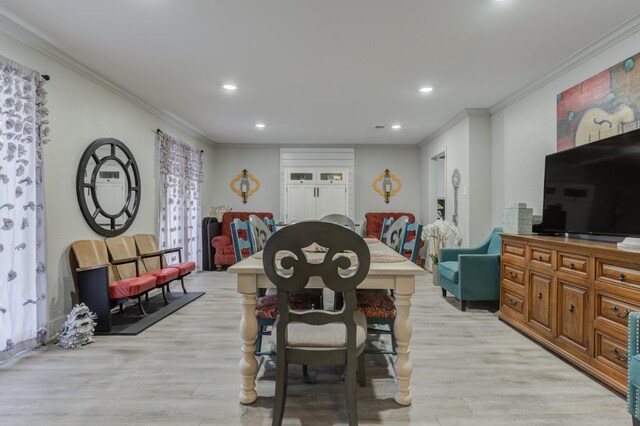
(539, 295)
(572, 307)
(512, 301)
(616, 310)
(621, 276)
(513, 274)
(539, 258)
(616, 355)
(572, 265)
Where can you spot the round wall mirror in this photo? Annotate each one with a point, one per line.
(108, 187)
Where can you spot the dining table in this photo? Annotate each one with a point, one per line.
(388, 270)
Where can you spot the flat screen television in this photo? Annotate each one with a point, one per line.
(594, 188)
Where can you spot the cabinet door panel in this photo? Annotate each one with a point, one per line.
(573, 314)
(540, 303)
(331, 200)
(301, 203)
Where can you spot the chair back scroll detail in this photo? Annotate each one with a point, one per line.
(395, 235)
(260, 232)
(335, 238)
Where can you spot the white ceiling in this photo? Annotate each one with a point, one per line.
(320, 71)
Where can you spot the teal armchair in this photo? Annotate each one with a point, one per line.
(633, 367)
(472, 273)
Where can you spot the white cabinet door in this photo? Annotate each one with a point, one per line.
(332, 199)
(301, 202)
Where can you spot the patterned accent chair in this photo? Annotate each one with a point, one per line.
(472, 273)
(633, 367)
(373, 222)
(225, 255)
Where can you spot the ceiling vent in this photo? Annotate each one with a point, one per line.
(379, 127)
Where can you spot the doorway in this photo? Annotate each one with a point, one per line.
(438, 188)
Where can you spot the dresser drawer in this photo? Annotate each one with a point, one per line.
(611, 271)
(611, 351)
(541, 257)
(513, 274)
(575, 264)
(615, 310)
(514, 250)
(513, 302)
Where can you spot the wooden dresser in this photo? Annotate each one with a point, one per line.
(574, 297)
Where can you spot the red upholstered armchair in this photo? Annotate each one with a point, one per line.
(374, 222)
(222, 243)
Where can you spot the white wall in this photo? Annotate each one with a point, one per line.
(404, 163)
(479, 191)
(455, 144)
(263, 163)
(523, 133)
(81, 112)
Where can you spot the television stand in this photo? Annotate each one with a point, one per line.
(598, 238)
(573, 297)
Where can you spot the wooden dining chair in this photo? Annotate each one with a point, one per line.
(379, 305)
(395, 234)
(411, 248)
(318, 337)
(266, 305)
(242, 239)
(259, 231)
(271, 224)
(386, 224)
(340, 219)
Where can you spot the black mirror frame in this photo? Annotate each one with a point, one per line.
(133, 185)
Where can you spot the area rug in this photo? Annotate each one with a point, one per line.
(131, 323)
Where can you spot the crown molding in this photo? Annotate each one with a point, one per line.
(603, 43)
(26, 34)
(308, 146)
(464, 114)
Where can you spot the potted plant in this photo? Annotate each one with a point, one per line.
(437, 234)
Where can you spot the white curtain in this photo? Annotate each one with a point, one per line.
(180, 179)
(23, 131)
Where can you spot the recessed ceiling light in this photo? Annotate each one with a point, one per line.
(396, 126)
(260, 125)
(426, 89)
(230, 86)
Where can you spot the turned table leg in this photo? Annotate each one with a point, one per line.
(403, 366)
(248, 362)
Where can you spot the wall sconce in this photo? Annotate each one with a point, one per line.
(387, 185)
(245, 185)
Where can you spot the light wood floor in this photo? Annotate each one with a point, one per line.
(469, 369)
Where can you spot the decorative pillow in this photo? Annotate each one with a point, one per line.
(218, 211)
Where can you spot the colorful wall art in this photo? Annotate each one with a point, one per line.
(605, 105)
